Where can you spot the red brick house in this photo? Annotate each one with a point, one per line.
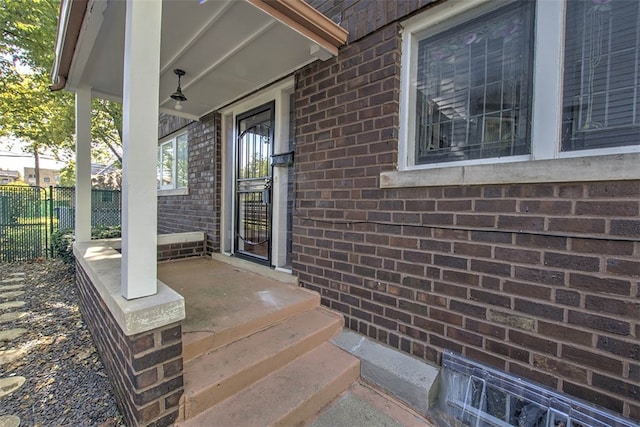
(460, 175)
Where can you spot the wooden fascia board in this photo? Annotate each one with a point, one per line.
(306, 20)
(68, 36)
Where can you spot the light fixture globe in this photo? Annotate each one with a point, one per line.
(178, 95)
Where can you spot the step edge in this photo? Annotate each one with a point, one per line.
(253, 327)
(256, 371)
(351, 368)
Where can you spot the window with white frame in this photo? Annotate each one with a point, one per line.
(173, 165)
(483, 81)
(601, 100)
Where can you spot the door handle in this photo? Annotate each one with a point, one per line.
(266, 192)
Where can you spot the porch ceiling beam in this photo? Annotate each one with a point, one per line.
(237, 48)
(198, 34)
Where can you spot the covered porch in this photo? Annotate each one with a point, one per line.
(149, 332)
(247, 329)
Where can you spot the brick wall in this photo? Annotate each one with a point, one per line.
(145, 370)
(362, 17)
(181, 250)
(538, 280)
(200, 209)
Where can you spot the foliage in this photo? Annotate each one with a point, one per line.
(28, 32)
(106, 130)
(68, 175)
(42, 119)
(62, 240)
(62, 245)
(30, 111)
(106, 232)
(109, 181)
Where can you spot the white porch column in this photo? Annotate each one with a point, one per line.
(83, 165)
(140, 142)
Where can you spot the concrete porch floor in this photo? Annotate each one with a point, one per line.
(224, 301)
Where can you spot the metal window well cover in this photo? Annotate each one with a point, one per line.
(472, 394)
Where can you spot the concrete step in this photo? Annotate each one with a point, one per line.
(289, 395)
(260, 310)
(227, 370)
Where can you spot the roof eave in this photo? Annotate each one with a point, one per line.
(306, 20)
(70, 21)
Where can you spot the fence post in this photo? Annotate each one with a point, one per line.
(51, 218)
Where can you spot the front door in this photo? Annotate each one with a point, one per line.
(253, 181)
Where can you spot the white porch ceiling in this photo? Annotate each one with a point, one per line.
(228, 48)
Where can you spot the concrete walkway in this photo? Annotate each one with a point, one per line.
(363, 406)
(10, 290)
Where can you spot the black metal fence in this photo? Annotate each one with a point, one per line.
(29, 215)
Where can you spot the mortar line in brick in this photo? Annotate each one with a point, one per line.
(350, 224)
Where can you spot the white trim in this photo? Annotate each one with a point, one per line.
(272, 273)
(280, 181)
(407, 98)
(547, 80)
(577, 169)
(278, 92)
(173, 189)
(184, 191)
(227, 210)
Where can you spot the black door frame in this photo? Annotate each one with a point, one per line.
(269, 106)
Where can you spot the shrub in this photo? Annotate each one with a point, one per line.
(62, 240)
(106, 232)
(62, 245)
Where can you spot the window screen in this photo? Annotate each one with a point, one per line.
(601, 105)
(474, 88)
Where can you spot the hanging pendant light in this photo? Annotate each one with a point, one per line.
(178, 95)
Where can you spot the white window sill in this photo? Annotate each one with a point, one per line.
(593, 168)
(174, 192)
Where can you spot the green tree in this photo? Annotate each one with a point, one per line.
(44, 120)
(32, 113)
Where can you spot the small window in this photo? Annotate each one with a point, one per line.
(473, 88)
(182, 170)
(46, 179)
(601, 80)
(173, 157)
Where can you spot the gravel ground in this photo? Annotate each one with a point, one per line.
(66, 384)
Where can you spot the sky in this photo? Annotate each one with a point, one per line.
(13, 158)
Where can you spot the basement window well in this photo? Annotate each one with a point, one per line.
(472, 394)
